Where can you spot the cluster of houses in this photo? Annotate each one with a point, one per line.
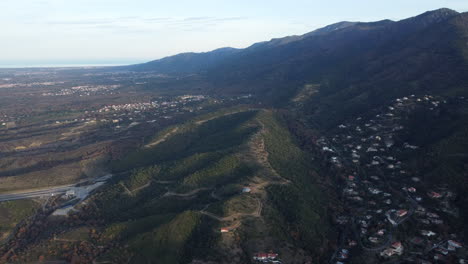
(84, 90)
(134, 113)
(131, 107)
(150, 112)
(381, 193)
(395, 249)
(160, 104)
(266, 257)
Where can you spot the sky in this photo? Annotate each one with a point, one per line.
(129, 31)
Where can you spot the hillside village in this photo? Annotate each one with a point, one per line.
(390, 212)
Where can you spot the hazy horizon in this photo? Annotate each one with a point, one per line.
(67, 63)
(42, 33)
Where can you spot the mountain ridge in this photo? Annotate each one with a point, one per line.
(199, 62)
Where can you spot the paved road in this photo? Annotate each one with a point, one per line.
(56, 190)
(35, 194)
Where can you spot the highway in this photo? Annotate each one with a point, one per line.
(36, 193)
(80, 192)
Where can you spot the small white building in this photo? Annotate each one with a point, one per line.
(70, 194)
(246, 190)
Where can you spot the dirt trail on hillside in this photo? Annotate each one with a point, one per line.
(134, 191)
(238, 222)
(199, 122)
(127, 191)
(258, 153)
(164, 138)
(191, 193)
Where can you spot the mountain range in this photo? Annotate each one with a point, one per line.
(351, 61)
